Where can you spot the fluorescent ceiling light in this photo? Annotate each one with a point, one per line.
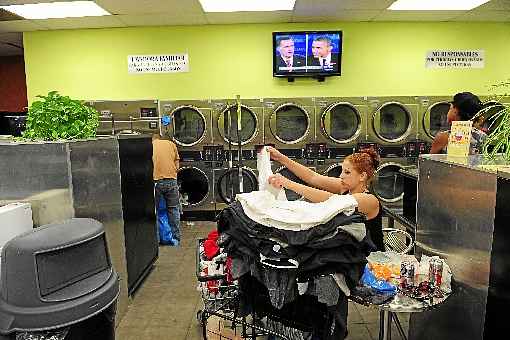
(72, 9)
(436, 5)
(247, 5)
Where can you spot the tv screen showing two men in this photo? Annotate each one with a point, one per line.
(307, 53)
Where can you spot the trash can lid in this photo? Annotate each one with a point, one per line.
(55, 275)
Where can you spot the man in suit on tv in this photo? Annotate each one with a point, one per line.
(321, 54)
(286, 56)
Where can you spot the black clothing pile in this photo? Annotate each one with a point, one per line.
(269, 263)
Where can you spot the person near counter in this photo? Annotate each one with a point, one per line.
(358, 171)
(165, 158)
(463, 107)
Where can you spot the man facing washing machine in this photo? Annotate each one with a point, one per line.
(165, 158)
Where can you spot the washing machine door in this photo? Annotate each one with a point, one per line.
(334, 170)
(193, 185)
(189, 125)
(249, 125)
(228, 184)
(490, 121)
(291, 195)
(392, 122)
(435, 118)
(389, 185)
(289, 123)
(341, 122)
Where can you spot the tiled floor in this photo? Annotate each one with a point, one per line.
(165, 307)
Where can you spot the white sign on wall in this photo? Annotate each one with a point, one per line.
(455, 59)
(162, 63)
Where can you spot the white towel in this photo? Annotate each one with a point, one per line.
(264, 169)
(262, 207)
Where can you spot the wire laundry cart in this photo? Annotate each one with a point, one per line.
(221, 299)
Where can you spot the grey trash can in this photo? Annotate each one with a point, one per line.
(58, 279)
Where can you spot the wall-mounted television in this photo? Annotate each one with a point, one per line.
(307, 54)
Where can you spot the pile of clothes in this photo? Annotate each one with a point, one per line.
(294, 265)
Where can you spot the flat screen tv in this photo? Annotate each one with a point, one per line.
(307, 54)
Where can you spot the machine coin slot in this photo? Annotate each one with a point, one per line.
(153, 125)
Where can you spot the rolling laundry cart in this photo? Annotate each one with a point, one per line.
(221, 317)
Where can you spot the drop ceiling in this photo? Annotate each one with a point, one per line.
(128, 13)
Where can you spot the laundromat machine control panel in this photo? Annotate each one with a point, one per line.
(315, 151)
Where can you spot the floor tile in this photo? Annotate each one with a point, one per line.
(166, 304)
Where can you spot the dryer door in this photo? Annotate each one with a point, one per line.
(249, 125)
(193, 185)
(334, 170)
(389, 185)
(291, 195)
(189, 125)
(228, 183)
(341, 122)
(392, 122)
(290, 123)
(435, 119)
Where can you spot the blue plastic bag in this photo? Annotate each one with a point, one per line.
(165, 233)
(369, 280)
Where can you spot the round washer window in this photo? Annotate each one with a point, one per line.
(391, 122)
(248, 124)
(341, 122)
(193, 185)
(189, 125)
(291, 123)
(291, 195)
(228, 184)
(389, 186)
(334, 170)
(437, 118)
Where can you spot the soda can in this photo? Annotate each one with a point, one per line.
(406, 274)
(435, 273)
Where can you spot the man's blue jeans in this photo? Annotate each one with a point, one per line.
(168, 190)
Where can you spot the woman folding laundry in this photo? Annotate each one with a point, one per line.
(358, 171)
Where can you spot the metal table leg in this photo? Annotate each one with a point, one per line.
(385, 325)
(399, 326)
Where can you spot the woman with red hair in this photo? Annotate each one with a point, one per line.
(358, 171)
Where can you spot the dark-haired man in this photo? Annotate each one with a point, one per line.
(286, 56)
(321, 53)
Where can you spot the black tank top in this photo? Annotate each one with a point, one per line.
(374, 228)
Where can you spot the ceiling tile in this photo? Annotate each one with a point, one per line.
(85, 22)
(20, 26)
(151, 6)
(417, 15)
(248, 17)
(162, 19)
(481, 15)
(343, 15)
(498, 5)
(304, 7)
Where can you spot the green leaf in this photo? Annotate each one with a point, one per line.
(60, 117)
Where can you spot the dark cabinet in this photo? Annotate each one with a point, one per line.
(135, 153)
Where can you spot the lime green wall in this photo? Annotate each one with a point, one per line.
(225, 60)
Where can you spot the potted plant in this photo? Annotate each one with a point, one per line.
(497, 115)
(58, 117)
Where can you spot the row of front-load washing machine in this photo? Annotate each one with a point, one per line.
(318, 132)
